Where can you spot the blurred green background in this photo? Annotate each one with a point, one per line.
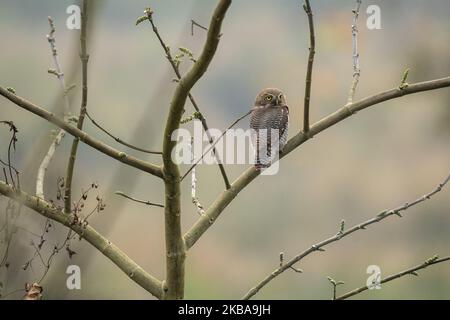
(378, 159)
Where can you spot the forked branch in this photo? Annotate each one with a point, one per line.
(40, 180)
(82, 136)
(119, 258)
(411, 271)
(175, 246)
(342, 234)
(176, 70)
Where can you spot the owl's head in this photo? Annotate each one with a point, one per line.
(270, 97)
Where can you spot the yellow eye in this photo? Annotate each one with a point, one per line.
(268, 98)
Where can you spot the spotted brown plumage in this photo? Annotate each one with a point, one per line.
(269, 121)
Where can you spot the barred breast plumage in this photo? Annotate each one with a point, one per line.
(269, 124)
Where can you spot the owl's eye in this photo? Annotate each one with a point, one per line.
(268, 98)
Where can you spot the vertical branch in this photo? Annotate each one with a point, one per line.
(59, 72)
(60, 135)
(175, 245)
(73, 152)
(335, 284)
(11, 148)
(312, 51)
(355, 54)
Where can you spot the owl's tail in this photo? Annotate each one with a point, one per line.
(261, 166)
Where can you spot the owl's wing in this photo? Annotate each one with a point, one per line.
(268, 119)
(279, 119)
(256, 124)
(284, 126)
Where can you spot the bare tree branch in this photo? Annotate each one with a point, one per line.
(225, 198)
(411, 271)
(84, 91)
(60, 135)
(142, 134)
(46, 162)
(176, 69)
(175, 246)
(335, 284)
(341, 234)
(11, 147)
(312, 51)
(213, 144)
(195, 24)
(356, 68)
(59, 72)
(83, 136)
(118, 140)
(71, 72)
(120, 193)
(103, 245)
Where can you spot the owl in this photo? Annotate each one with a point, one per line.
(269, 120)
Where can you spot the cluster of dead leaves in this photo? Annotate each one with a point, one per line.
(33, 292)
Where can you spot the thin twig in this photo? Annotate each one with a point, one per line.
(335, 284)
(213, 144)
(56, 249)
(362, 226)
(190, 96)
(404, 84)
(95, 123)
(120, 193)
(411, 271)
(84, 57)
(312, 51)
(195, 200)
(193, 23)
(59, 72)
(355, 55)
(11, 147)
